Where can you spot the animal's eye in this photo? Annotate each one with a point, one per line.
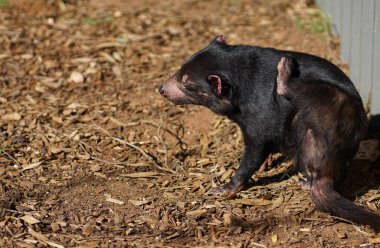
(186, 83)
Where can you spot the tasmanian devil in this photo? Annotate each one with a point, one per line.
(296, 103)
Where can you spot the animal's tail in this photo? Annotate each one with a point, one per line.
(327, 199)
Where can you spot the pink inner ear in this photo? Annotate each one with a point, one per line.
(221, 38)
(217, 82)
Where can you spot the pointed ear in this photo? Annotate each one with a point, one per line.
(216, 83)
(220, 38)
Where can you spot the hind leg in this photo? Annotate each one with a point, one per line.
(305, 183)
(319, 158)
(314, 155)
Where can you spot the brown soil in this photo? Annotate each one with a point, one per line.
(92, 156)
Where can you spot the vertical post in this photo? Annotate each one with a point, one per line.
(356, 21)
(375, 106)
(337, 15)
(376, 62)
(366, 45)
(346, 31)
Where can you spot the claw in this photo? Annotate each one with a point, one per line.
(226, 190)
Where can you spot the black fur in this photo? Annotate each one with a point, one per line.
(324, 135)
(269, 122)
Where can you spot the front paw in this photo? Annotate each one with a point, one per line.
(226, 190)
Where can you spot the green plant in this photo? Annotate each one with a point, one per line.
(315, 23)
(4, 3)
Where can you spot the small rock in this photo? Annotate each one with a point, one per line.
(76, 77)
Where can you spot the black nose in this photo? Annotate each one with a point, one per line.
(161, 89)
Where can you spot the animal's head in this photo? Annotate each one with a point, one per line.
(202, 79)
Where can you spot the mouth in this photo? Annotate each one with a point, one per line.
(177, 97)
(172, 91)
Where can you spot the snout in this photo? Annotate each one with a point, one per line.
(161, 89)
(172, 91)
